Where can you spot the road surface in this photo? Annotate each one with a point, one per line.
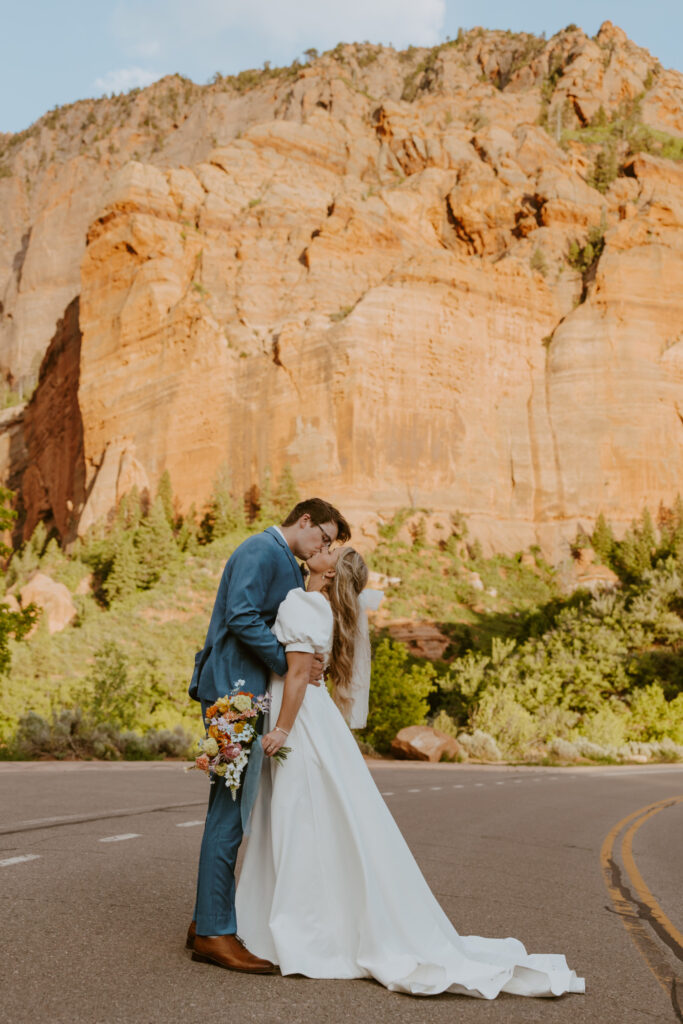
(97, 872)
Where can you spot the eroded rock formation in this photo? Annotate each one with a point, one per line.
(388, 275)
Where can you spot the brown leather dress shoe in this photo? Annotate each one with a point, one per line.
(227, 951)
(191, 932)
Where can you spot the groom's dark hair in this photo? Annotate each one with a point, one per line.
(320, 512)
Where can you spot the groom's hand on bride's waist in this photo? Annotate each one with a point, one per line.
(317, 668)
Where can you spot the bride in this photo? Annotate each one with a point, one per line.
(328, 887)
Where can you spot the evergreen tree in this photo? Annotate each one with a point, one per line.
(602, 539)
(14, 625)
(129, 512)
(286, 494)
(648, 538)
(188, 535)
(156, 547)
(605, 168)
(126, 574)
(225, 513)
(165, 493)
(267, 511)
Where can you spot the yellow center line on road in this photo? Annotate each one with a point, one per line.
(645, 921)
(639, 883)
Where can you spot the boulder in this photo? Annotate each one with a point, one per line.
(52, 597)
(424, 639)
(423, 743)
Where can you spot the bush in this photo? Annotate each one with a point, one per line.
(480, 746)
(655, 718)
(71, 734)
(564, 750)
(538, 261)
(499, 715)
(398, 694)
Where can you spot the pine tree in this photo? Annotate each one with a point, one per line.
(267, 512)
(602, 539)
(188, 535)
(225, 513)
(648, 538)
(165, 493)
(129, 512)
(125, 575)
(156, 547)
(286, 494)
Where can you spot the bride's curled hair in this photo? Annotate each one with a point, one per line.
(350, 579)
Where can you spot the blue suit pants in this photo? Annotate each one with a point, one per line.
(215, 905)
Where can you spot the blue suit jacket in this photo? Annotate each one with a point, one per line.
(239, 644)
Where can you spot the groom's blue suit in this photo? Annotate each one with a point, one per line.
(239, 647)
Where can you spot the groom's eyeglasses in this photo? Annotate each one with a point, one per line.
(326, 540)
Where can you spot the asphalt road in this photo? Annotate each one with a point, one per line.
(97, 872)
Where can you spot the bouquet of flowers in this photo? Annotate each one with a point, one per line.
(231, 729)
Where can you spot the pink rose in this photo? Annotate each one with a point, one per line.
(202, 762)
(233, 750)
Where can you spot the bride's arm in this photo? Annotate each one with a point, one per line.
(299, 665)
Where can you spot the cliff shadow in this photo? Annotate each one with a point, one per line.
(52, 488)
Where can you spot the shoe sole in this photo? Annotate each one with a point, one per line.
(199, 958)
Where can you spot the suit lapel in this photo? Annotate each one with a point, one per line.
(285, 546)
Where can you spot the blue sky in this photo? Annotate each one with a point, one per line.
(57, 52)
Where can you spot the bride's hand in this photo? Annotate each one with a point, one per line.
(272, 741)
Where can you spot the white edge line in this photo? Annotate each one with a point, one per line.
(19, 860)
(187, 824)
(118, 839)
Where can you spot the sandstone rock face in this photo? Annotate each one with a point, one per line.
(422, 743)
(54, 599)
(363, 272)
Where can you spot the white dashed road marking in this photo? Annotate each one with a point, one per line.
(118, 839)
(187, 824)
(458, 785)
(413, 790)
(19, 860)
(436, 787)
(388, 793)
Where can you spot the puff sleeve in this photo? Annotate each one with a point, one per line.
(304, 622)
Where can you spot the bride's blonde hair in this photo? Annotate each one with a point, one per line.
(351, 577)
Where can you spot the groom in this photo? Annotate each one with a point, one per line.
(240, 648)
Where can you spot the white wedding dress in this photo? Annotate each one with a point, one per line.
(328, 886)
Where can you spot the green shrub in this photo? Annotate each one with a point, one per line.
(499, 714)
(70, 734)
(655, 718)
(398, 694)
(605, 167)
(480, 746)
(109, 696)
(538, 262)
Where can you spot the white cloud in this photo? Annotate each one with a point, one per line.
(124, 79)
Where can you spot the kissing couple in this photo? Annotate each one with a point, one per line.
(328, 886)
